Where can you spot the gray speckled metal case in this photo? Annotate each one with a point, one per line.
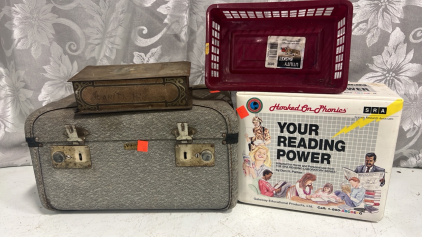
(128, 179)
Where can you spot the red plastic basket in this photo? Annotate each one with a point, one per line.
(236, 46)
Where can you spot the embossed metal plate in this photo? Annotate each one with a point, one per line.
(71, 157)
(195, 155)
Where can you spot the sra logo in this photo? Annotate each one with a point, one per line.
(375, 110)
(254, 105)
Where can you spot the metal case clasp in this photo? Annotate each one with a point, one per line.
(189, 153)
(195, 155)
(71, 157)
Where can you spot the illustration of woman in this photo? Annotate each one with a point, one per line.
(261, 161)
(304, 186)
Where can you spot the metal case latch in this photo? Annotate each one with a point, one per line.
(71, 157)
(189, 153)
(74, 156)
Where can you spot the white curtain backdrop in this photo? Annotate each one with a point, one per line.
(45, 42)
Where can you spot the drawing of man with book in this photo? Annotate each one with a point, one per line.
(370, 166)
(279, 190)
(355, 196)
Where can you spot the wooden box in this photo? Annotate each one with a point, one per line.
(117, 88)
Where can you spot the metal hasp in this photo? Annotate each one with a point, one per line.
(184, 133)
(189, 154)
(75, 135)
(71, 157)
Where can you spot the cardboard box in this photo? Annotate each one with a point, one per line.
(292, 147)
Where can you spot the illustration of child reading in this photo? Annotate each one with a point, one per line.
(261, 161)
(325, 195)
(267, 189)
(261, 134)
(354, 196)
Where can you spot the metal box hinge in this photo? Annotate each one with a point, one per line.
(33, 142)
(230, 138)
(189, 154)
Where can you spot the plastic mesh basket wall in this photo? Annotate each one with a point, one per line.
(237, 44)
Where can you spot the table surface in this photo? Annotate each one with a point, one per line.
(21, 214)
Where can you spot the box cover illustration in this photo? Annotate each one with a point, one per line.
(330, 154)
